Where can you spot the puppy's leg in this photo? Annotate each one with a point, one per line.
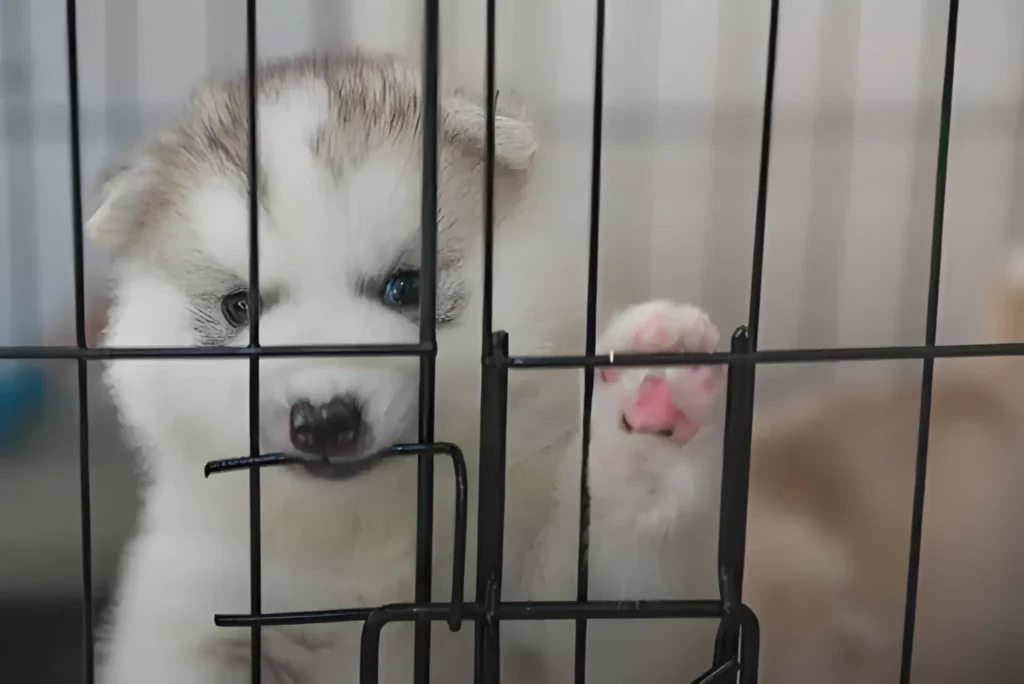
(169, 659)
(648, 471)
(161, 628)
(653, 479)
(165, 666)
(654, 474)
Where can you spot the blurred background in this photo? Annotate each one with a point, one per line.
(850, 207)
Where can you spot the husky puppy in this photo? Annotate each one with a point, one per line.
(339, 188)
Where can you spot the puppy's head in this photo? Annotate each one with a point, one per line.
(339, 194)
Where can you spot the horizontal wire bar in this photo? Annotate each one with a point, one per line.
(528, 362)
(609, 610)
(106, 353)
(517, 611)
(310, 617)
(246, 462)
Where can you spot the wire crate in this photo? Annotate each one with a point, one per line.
(735, 657)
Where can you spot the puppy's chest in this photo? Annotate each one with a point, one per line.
(308, 654)
(332, 653)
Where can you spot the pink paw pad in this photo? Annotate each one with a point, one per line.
(673, 412)
(673, 402)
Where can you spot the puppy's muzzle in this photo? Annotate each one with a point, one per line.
(325, 430)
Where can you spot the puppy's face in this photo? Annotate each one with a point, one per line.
(339, 232)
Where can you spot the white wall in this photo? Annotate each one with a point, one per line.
(853, 161)
(855, 142)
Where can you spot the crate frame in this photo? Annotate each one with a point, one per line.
(736, 650)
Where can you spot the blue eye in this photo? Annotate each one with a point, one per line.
(235, 308)
(403, 290)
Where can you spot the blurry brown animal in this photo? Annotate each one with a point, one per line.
(830, 524)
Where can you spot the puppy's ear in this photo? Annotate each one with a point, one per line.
(125, 190)
(514, 143)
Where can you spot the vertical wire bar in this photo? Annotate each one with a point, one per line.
(732, 552)
(490, 526)
(428, 334)
(749, 654)
(486, 646)
(88, 664)
(733, 513)
(757, 268)
(931, 328)
(582, 552)
(735, 471)
(757, 265)
(490, 95)
(255, 554)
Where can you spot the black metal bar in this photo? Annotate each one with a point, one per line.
(513, 610)
(532, 362)
(727, 589)
(736, 464)
(486, 652)
(490, 94)
(757, 267)
(491, 508)
(88, 652)
(255, 555)
(295, 617)
(369, 643)
(927, 372)
(428, 334)
(109, 353)
(750, 645)
(583, 547)
(245, 462)
(719, 674)
(735, 478)
(733, 511)
(461, 517)
(529, 362)
(305, 617)
(609, 610)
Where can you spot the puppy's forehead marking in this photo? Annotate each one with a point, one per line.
(379, 209)
(219, 217)
(330, 105)
(339, 171)
(288, 123)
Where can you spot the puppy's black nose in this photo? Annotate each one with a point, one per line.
(326, 428)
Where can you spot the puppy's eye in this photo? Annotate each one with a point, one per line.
(402, 291)
(235, 308)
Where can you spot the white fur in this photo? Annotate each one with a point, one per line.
(350, 543)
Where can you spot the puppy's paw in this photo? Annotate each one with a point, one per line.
(672, 402)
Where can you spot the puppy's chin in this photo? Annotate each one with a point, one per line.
(337, 468)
